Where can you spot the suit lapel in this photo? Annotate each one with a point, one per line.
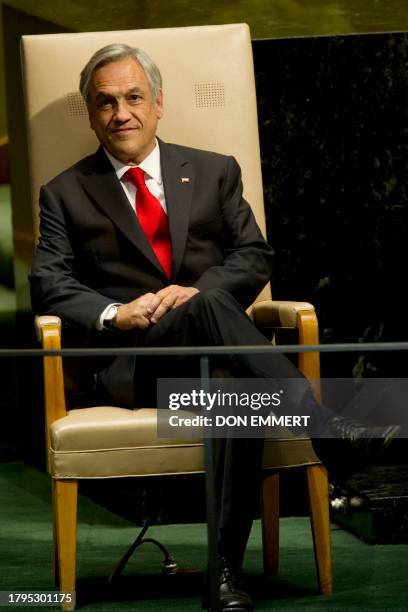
(102, 185)
(178, 180)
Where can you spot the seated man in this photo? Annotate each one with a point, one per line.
(146, 243)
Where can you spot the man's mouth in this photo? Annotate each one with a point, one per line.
(123, 130)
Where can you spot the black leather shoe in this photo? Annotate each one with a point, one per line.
(352, 446)
(365, 439)
(233, 596)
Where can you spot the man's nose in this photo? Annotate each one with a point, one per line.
(122, 112)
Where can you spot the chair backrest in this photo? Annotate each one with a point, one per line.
(209, 89)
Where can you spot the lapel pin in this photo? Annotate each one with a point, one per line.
(185, 179)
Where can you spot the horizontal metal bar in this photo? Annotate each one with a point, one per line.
(358, 347)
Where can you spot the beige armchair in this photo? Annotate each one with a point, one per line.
(216, 89)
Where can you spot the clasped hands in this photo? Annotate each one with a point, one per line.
(151, 307)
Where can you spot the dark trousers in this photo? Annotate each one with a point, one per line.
(212, 318)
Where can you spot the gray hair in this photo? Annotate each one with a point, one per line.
(115, 53)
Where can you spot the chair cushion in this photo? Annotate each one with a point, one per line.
(109, 442)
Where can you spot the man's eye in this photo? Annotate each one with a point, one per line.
(134, 98)
(104, 104)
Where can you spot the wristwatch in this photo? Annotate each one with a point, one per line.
(108, 321)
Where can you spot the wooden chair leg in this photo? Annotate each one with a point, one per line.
(318, 489)
(270, 523)
(65, 504)
(55, 565)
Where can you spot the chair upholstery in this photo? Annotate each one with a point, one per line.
(112, 442)
(216, 89)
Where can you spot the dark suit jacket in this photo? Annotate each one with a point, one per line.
(93, 252)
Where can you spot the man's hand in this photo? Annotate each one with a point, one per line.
(170, 297)
(150, 308)
(137, 313)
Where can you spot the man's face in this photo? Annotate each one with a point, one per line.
(122, 111)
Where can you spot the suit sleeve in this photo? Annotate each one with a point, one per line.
(247, 265)
(54, 279)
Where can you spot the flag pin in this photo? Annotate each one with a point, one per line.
(185, 179)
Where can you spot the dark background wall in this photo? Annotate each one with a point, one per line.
(333, 118)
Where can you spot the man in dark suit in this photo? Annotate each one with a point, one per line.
(150, 244)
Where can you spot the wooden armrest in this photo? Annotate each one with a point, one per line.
(45, 323)
(293, 315)
(274, 313)
(48, 329)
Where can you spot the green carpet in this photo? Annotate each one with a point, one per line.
(365, 577)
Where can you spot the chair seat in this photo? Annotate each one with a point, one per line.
(110, 442)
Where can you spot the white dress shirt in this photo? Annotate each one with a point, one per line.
(153, 176)
(153, 179)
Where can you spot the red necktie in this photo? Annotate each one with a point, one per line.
(152, 219)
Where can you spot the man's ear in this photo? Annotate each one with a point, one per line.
(90, 119)
(159, 105)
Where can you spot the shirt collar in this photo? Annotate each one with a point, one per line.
(150, 165)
